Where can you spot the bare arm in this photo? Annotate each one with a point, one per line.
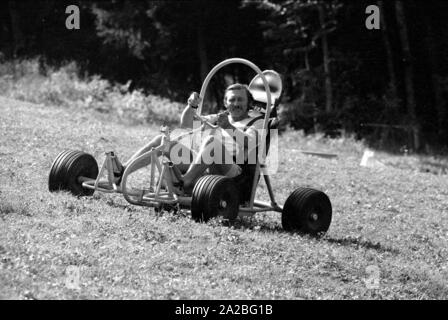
(186, 120)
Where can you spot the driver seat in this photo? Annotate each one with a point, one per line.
(256, 87)
(244, 180)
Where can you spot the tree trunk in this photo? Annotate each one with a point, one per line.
(433, 61)
(408, 72)
(307, 61)
(201, 44)
(202, 52)
(17, 35)
(328, 89)
(389, 52)
(4, 30)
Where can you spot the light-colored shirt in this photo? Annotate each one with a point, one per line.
(252, 131)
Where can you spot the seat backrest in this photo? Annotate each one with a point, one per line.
(260, 97)
(257, 88)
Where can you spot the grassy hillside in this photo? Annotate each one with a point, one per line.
(66, 86)
(392, 220)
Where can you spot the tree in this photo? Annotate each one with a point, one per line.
(408, 72)
(177, 42)
(294, 31)
(18, 41)
(326, 60)
(433, 48)
(389, 52)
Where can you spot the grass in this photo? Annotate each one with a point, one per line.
(391, 218)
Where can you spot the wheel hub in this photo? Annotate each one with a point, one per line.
(314, 216)
(223, 204)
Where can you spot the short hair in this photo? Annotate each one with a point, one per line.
(239, 86)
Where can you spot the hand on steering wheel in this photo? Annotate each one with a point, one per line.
(223, 120)
(194, 100)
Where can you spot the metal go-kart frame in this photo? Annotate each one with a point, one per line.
(306, 210)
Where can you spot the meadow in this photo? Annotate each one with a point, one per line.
(388, 238)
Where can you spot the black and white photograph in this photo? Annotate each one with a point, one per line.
(224, 155)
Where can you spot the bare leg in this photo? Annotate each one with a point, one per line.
(152, 144)
(198, 167)
(183, 167)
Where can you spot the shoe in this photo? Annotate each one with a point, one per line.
(180, 186)
(117, 169)
(118, 176)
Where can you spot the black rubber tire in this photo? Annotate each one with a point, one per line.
(52, 183)
(208, 195)
(307, 211)
(82, 164)
(68, 167)
(55, 181)
(62, 168)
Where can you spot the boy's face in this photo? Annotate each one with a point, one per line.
(236, 103)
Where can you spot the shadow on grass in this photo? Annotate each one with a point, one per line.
(251, 224)
(360, 243)
(345, 241)
(114, 204)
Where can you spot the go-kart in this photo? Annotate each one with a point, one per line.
(306, 210)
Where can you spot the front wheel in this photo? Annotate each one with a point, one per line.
(307, 211)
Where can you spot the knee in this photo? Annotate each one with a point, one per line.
(158, 138)
(155, 142)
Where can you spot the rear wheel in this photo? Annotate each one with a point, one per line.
(307, 211)
(214, 196)
(68, 167)
(54, 180)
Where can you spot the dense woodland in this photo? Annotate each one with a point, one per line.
(389, 86)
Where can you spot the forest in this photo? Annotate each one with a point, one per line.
(387, 85)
